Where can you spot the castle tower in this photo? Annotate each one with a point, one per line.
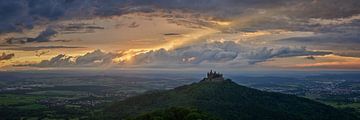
(213, 76)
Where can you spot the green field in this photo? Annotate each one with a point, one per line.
(13, 99)
(58, 93)
(32, 107)
(345, 105)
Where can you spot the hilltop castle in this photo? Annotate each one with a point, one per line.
(213, 77)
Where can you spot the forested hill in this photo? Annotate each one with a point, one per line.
(224, 100)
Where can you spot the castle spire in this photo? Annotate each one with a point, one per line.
(214, 76)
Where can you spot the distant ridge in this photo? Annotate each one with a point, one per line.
(225, 100)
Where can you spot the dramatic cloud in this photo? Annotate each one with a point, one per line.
(57, 61)
(326, 39)
(96, 57)
(17, 15)
(326, 8)
(44, 36)
(334, 40)
(78, 28)
(321, 25)
(91, 59)
(293, 8)
(336, 25)
(23, 14)
(225, 53)
(5, 56)
(329, 41)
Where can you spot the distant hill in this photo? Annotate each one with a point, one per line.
(224, 100)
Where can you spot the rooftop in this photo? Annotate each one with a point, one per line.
(213, 76)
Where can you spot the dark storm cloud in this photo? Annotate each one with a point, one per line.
(344, 44)
(352, 26)
(316, 25)
(43, 36)
(293, 8)
(331, 40)
(16, 40)
(292, 15)
(326, 8)
(78, 28)
(9, 12)
(5, 56)
(17, 15)
(220, 8)
(51, 31)
(24, 14)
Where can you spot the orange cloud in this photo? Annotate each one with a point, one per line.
(334, 62)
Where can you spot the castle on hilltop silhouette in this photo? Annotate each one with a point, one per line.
(213, 77)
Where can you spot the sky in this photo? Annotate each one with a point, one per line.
(180, 34)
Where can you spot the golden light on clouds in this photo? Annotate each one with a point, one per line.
(136, 33)
(333, 61)
(222, 23)
(319, 62)
(256, 34)
(171, 43)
